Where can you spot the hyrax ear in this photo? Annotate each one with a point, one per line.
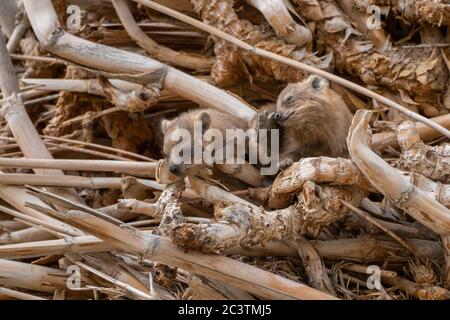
(165, 125)
(318, 83)
(205, 118)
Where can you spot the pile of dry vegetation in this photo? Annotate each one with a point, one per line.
(90, 210)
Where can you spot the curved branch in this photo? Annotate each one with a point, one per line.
(45, 24)
(388, 181)
(278, 16)
(157, 51)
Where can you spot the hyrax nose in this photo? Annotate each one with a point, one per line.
(174, 169)
(278, 116)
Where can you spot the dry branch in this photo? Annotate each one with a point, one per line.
(419, 204)
(8, 11)
(339, 172)
(435, 12)
(251, 279)
(431, 162)
(248, 226)
(158, 52)
(46, 27)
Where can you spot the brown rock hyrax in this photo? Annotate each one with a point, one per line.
(314, 121)
(187, 136)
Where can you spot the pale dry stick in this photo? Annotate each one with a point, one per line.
(99, 154)
(18, 197)
(133, 205)
(256, 281)
(15, 56)
(19, 215)
(382, 140)
(45, 24)
(32, 277)
(19, 295)
(90, 115)
(92, 145)
(363, 269)
(356, 249)
(38, 226)
(9, 146)
(92, 86)
(24, 236)
(124, 286)
(18, 120)
(157, 51)
(66, 203)
(278, 16)
(114, 267)
(93, 183)
(396, 187)
(130, 167)
(18, 33)
(47, 98)
(295, 64)
(391, 183)
(8, 11)
(99, 146)
(314, 266)
(29, 93)
(11, 225)
(373, 221)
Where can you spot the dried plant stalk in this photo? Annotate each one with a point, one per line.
(397, 188)
(8, 11)
(157, 51)
(431, 162)
(256, 281)
(31, 277)
(420, 72)
(314, 266)
(46, 27)
(19, 295)
(310, 9)
(341, 172)
(19, 31)
(382, 140)
(25, 235)
(131, 167)
(248, 226)
(365, 248)
(278, 16)
(436, 12)
(71, 181)
(232, 63)
(18, 120)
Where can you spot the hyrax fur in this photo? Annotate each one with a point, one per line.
(209, 119)
(314, 120)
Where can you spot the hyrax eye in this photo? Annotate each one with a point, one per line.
(316, 83)
(289, 100)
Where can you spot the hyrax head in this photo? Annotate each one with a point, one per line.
(180, 136)
(314, 88)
